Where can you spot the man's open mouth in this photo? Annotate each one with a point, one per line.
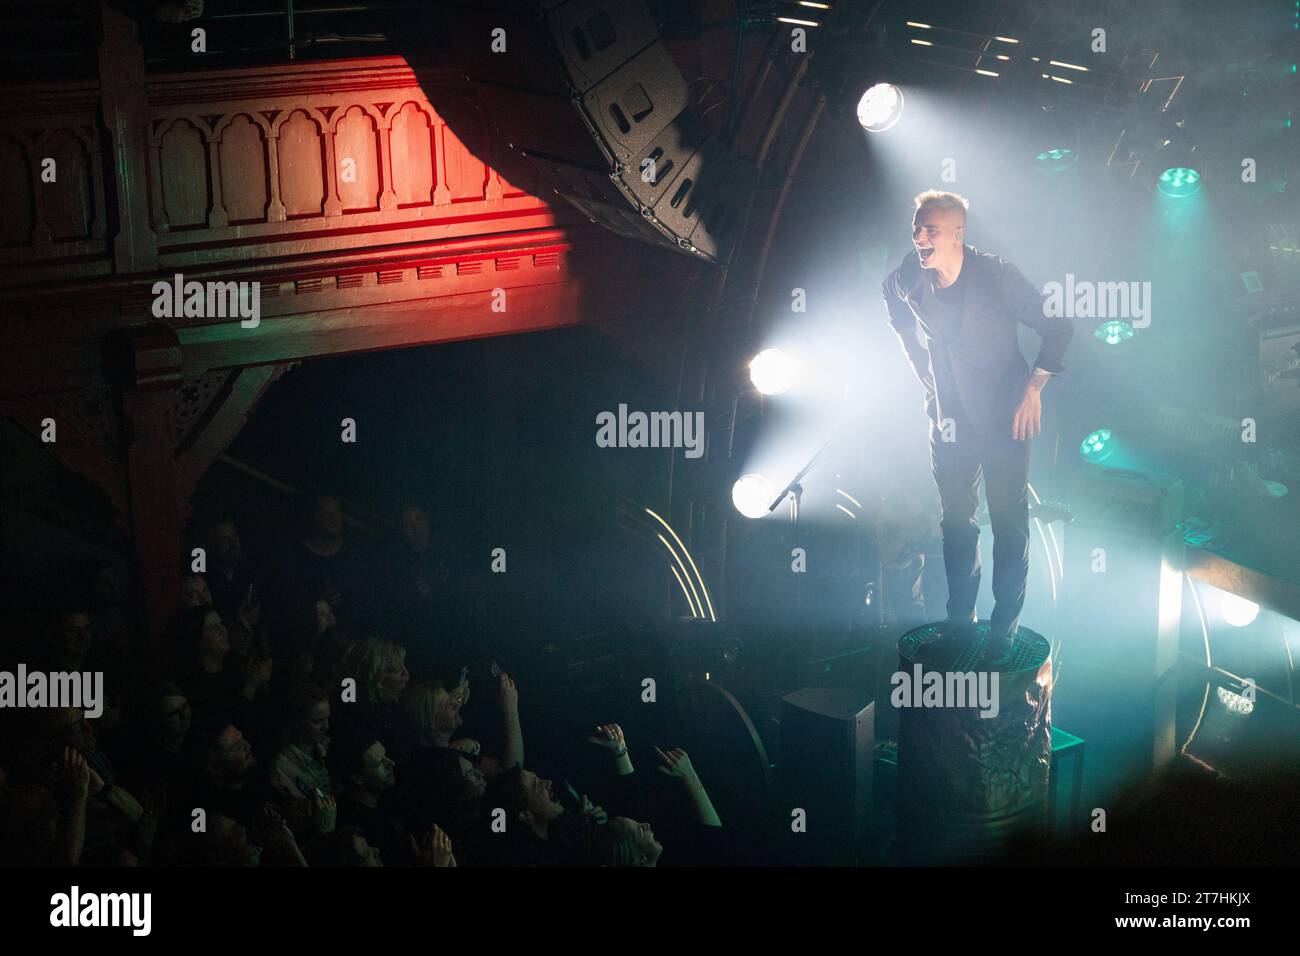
(925, 253)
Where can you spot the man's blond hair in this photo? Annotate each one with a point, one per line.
(938, 199)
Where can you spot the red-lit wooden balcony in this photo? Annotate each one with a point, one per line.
(373, 208)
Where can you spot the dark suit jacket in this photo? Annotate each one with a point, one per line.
(978, 366)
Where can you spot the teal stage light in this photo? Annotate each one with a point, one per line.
(1097, 447)
(1056, 160)
(1179, 182)
(1114, 332)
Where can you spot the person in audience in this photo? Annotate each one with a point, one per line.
(70, 639)
(332, 660)
(227, 842)
(70, 648)
(226, 771)
(234, 590)
(627, 841)
(217, 682)
(158, 757)
(299, 639)
(116, 825)
(298, 768)
(329, 565)
(422, 601)
(366, 767)
(347, 846)
(367, 776)
(44, 827)
(108, 611)
(379, 669)
(195, 591)
(429, 716)
(537, 830)
(442, 786)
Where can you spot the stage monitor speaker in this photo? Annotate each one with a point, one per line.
(588, 91)
(1135, 503)
(827, 755)
(1119, 622)
(1122, 596)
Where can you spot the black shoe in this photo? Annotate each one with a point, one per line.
(998, 650)
(956, 630)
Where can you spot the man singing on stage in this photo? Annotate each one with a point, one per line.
(983, 403)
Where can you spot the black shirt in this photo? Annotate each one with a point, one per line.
(973, 347)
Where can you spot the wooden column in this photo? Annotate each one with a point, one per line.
(146, 364)
(154, 515)
(125, 111)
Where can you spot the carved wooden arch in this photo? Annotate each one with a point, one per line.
(370, 109)
(83, 133)
(434, 121)
(27, 160)
(159, 130)
(85, 137)
(269, 165)
(220, 127)
(384, 197)
(312, 113)
(473, 110)
(423, 106)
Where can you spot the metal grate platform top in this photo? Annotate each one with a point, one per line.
(926, 645)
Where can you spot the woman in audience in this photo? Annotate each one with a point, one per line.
(298, 763)
(378, 671)
(215, 681)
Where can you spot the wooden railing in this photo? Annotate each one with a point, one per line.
(303, 159)
(245, 166)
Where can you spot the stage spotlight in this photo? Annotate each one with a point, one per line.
(880, 108)
(1179, 182)
(1236, 703)
(1114, 332)
(751, 495)
(1097, 447)
(1237, 610)
(771, 371)
(1056, 160)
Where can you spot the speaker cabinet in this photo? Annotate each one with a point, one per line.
(1119, 628)
(827, 752)
(589, 92)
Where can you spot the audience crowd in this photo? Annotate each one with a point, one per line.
(308, 713)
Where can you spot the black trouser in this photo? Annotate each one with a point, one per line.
(1004, 463)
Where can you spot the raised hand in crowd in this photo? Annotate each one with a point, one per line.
(610, 737)
(276, 836)
(676, 763)
(324, 812)
(74, 793)
(435, 849)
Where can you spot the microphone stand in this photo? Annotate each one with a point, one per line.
(795, 488)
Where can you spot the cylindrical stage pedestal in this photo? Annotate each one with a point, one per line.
(974, 745)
